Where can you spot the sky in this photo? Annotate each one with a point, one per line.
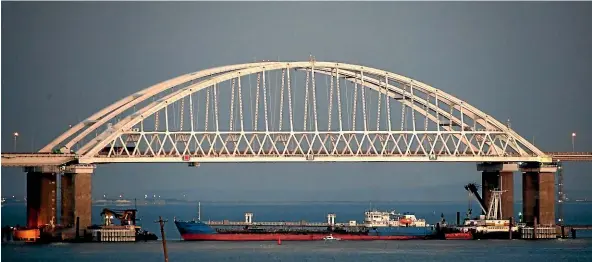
(524, 61)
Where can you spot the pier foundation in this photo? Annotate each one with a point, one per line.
(41, 197)
(500, 176)
(76, 196)
(67, 205)
(538, 195)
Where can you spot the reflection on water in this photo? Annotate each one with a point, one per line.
(491, 250)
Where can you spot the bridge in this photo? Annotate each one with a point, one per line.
(308, 111)
(59, 159)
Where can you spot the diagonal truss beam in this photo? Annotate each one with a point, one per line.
(369, 78)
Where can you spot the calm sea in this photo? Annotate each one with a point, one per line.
(482, 250)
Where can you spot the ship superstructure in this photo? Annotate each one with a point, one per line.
(377, 218)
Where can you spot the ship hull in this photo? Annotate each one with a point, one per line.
(288, 237)
(456, 234)
(199, 231)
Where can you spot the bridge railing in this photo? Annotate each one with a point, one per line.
(569, 153)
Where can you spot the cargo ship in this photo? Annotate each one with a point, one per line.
(377, 225)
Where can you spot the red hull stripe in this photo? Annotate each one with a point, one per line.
(287, 237)
(458, 236)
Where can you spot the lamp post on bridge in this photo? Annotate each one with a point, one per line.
(573, 142)
(16, 134)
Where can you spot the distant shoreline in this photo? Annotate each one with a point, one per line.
(210, 202)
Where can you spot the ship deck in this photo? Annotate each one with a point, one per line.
(284, 224)
(302, 224)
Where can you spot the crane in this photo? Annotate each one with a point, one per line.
(127, 217)
(472, 188)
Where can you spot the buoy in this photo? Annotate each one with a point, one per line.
(279, 241)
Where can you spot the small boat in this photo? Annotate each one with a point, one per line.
(331, 238)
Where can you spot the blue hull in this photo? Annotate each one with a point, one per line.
(194, 227)
(401, 231)
(198, 227)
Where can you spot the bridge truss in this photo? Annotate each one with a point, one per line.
(293, 111)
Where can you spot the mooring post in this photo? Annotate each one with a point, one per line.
(534, 229)
(562, 231)
(511, 218)
(77, 228)
(164, 248)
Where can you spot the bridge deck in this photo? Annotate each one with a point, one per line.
(36, 159)
(571, 156)
(52, 159)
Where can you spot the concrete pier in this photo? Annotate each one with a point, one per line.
(538, 194)
(41, 198)
(42, 195)
(76, 196)
(67, 206)
(500, 176)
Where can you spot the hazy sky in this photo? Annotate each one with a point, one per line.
(530, 62)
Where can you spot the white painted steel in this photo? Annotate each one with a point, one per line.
(452, 139)
(287, 159)
(108, 113)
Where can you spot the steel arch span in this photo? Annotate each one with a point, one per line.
(290, 112)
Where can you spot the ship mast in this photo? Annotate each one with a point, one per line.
(199, 211)
(495, 206)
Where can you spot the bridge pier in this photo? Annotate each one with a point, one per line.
(41, 196)
(75, 191)
(500, 176)
(76, 196)
(538, 195)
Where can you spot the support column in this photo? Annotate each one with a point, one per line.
(500, 176)
(529, 197)
(507, 183)
(41, 197)
(77, 195)
(489, 181)
(67, 217)
(538, 193)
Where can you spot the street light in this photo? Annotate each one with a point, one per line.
(573, 140)
(16, 134)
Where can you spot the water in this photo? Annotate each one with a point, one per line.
(482, 250)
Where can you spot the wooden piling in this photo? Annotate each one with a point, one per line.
(164, 247)
(511, 218)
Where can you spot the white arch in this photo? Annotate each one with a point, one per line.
(127, 123)
(96, 120)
